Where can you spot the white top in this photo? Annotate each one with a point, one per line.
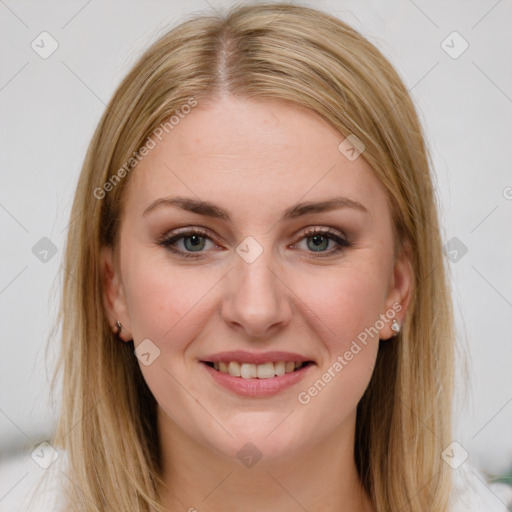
(20, 476)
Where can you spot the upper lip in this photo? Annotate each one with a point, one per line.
(243, 356)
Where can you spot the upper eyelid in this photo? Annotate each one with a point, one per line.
(190, 231)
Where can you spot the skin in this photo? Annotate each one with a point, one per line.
(255, 158)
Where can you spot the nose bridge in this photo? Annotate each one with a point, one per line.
(257, 300)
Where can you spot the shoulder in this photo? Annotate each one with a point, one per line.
(471, 492)
(41, 489)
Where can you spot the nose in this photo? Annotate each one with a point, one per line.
(257, 301)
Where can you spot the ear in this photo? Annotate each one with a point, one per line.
(399, 293)
(113, 294)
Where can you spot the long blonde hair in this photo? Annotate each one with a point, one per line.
(107, 426)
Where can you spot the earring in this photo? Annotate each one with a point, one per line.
(395, 327)
(119, 328)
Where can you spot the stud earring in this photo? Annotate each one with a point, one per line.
(395, 327)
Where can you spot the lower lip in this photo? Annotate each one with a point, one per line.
(258, 387)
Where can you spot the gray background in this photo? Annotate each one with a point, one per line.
(49, 108)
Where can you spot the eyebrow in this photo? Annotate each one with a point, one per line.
(212, 210)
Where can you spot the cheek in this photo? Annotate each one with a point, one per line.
(162, 298)
(343, 305)
(343, 301)
(344, 318)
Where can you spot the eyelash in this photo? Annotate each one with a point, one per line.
(169, 241)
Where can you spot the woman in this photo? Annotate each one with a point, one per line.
(255, 298)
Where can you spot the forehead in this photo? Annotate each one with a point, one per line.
(252, 153)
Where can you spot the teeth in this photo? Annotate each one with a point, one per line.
(248, 371)
(234, 369)
(260, 371)
(280, 368)
(265, 371)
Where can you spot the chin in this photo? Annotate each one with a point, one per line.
(267, 444)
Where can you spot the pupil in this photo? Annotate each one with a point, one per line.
(317, 240)
(195, 241)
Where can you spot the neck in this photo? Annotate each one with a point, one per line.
(322, 477)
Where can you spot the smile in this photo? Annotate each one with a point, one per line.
(257, 380)
(257, 371)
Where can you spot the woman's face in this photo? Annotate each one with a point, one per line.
(256, 279)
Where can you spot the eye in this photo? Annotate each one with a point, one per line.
(318, 239)
(194, 241)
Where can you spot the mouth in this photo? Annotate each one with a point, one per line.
(266, 370)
